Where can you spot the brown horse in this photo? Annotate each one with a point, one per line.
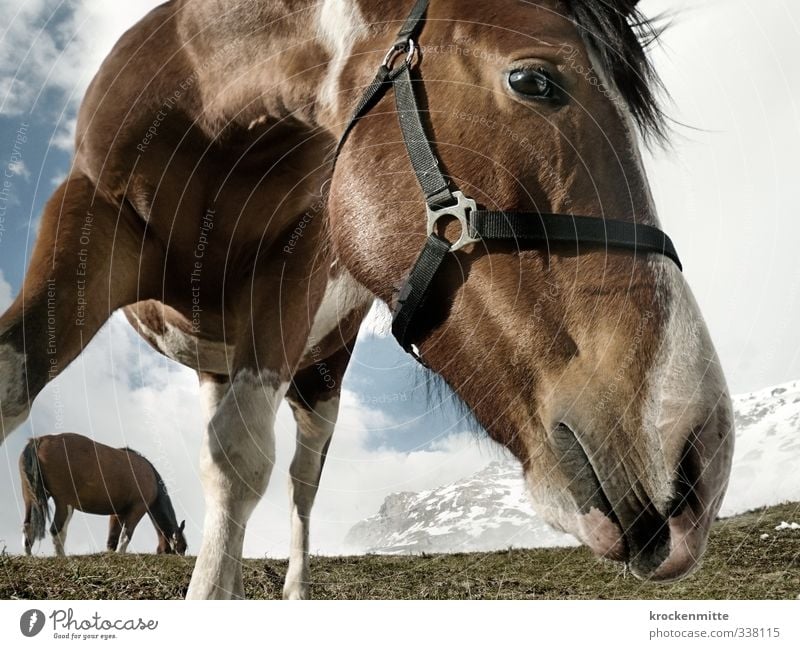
(79, 473)
(203, 200)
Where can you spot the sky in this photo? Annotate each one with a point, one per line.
(727, 193)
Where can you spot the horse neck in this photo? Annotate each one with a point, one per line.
(162, 512)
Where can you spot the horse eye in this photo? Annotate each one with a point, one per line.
(537, 84)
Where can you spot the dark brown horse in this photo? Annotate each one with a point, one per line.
(203, 201)
(79, 473)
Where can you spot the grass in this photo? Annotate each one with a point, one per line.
(739, 564)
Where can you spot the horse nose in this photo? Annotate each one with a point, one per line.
(618, 521)
(655, 546)
(684, 529)
(667, 546)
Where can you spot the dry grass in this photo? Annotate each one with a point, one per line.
(738, 565)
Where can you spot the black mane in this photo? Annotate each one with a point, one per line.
(161, 511)
(621, 35)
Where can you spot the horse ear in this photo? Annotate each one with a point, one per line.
(182, 525)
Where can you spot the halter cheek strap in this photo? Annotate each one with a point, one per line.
(527, 229)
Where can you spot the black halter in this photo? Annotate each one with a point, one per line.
(527, 229)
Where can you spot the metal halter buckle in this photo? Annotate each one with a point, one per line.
(460, 211)
(409, 47)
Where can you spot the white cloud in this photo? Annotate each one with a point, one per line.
(6, 296)
(64, 136)
(18, 168)
(26, 53)
(52, 45)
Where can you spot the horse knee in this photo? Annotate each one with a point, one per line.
(239, 448)
(314, 431)
(315, 423)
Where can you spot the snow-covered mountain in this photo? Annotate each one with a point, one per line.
(766, 461)
(490, 510)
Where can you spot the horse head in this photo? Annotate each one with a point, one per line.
(592, 365)
(174, 543)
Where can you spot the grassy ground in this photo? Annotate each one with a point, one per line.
(738, 565)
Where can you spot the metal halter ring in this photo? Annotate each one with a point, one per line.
(409, 47)
(458, 211)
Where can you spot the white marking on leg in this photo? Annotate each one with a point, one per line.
(340, 24)
(124, 540)
(60, 538)
(314, 430)
(13, 404)
(211, 394)
(237, 456)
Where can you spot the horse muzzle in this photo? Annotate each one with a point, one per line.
(618, 520)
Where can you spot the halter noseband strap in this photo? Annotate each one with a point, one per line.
(526, 229)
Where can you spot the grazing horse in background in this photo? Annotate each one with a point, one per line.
(203, 200)
(79, 473)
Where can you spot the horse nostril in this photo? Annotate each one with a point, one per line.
(687, 478)
(671, 550)
(648, 542)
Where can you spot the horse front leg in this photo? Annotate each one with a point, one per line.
(237, 457)
(129, 523)
(84, 266)
(238, 450)
(314, 399)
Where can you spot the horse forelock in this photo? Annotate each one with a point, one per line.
(621, 40)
